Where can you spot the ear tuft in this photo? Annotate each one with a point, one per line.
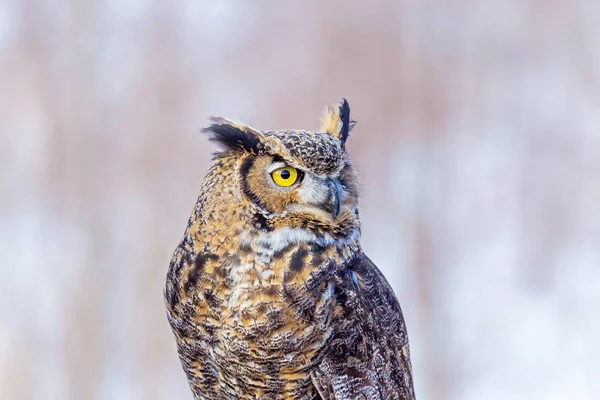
(337, 122)
(234, 136)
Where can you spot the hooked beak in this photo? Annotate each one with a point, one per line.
(333, 204)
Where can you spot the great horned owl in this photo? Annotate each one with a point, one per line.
(269, 294)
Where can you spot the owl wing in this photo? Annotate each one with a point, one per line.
(368, 357)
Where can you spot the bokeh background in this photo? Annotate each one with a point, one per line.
(478, 146)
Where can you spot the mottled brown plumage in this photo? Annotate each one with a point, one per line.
(269, 294)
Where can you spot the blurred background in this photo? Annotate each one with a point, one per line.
(477, 143)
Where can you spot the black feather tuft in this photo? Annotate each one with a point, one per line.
(346, 122)
(234, 137)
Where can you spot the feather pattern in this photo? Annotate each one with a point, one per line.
(368, 356)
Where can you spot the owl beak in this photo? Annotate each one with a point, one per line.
(333, 204)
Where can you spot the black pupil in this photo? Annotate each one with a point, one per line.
(285, 174)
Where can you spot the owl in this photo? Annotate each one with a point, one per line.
(269, 294)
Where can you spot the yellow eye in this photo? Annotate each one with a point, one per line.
(285, 177)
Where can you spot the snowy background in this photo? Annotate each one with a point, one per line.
(477, 143)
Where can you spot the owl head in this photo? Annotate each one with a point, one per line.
(293, 178)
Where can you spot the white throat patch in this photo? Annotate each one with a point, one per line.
(282, 237)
